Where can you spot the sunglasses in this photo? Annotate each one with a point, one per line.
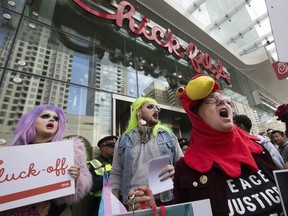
(48, 116)
(110, 145)
(217, 99)
(153, 106)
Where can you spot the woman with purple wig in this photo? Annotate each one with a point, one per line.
(47, 123)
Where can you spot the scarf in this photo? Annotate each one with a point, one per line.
(227, 149)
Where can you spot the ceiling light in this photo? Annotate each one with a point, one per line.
(17, 80)
(21, 62)
(7, 16)
(12, 3)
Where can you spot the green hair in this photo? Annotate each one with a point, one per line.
(133, 122)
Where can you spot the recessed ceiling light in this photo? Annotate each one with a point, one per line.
(12, 3)
(17, 80)
(31, 25)
(35, 13)
(7, 16)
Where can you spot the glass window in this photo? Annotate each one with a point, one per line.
(7, 32)
(79, 63)
(89, 112)
(15, 5)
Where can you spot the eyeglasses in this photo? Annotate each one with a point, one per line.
(153, 106)
(217, 99)
(47, 116)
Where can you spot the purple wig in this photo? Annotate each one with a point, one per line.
(25, 129)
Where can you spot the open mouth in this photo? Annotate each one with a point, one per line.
(50, 126)
(155, 115)
(224, 113)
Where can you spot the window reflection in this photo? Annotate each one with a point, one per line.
(7, 31)
(15, 5)
(88, 111)
(79, 63)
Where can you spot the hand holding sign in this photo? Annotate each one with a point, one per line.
(74, 171)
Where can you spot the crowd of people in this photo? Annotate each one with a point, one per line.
(221, 161)
(224, 163)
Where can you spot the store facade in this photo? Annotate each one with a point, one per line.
(93, 58)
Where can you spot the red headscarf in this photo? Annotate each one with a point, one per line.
(208, 146)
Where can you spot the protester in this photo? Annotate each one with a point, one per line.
(263, 133)
(244, 123)
(184, 144)
(280, 140)
(223, 163)
(269, 134)
(144, 139)
(97, 167)
(43, 124)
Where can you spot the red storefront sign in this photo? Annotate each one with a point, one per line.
(197, 58)
(281, 69)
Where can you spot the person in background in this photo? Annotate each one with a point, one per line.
(263, 133)
(244, 123)
(279, 139)
(44, 124)
(97, 167)
(145, 138)
(282, 115)
(269, 134)
(223, 163)
(184, 144)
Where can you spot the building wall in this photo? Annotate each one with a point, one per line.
(65, 56)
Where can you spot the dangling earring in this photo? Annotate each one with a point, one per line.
(141, 121)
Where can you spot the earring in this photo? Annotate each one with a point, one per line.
(141, 121)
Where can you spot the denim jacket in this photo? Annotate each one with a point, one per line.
(166, 142)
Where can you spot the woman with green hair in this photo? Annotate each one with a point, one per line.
(144, 139)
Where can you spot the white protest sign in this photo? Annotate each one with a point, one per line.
(155, 167)
(34, 173)
(281, 179)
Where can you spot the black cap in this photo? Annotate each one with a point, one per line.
(106, 139)
(183, 141)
